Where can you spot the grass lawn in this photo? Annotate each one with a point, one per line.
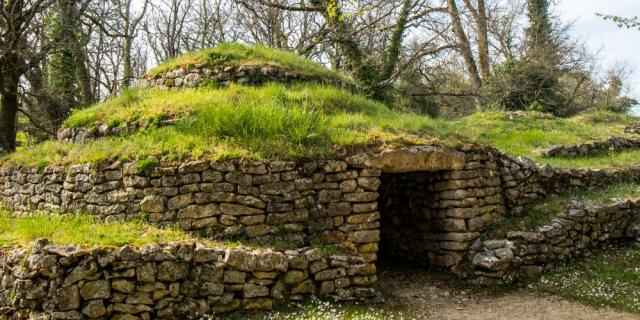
(322, 310)
(540, 212)
(82, 230)
(606, 279)
(238, 54)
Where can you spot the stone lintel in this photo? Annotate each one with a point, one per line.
(418, 159)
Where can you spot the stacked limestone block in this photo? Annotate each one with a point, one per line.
(248, 75)
(633, 129)
(175, 281)
(435, 217)
(613, 144)
(81, 135)
(560, 180)
(521, 182)
(312, 202)
(571, 234)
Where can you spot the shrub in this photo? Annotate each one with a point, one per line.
(523, 85)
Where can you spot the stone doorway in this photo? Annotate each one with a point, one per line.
(434, 203)
(406, 206)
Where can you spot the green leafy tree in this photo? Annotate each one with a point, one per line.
(622, 22)
(67, 75)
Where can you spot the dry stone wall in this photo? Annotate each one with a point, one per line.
(592, 148)
(633, 129)
(247, 75)
(81, 135)
(571, 234)
(432, 216)
(436, 217)
(299, 203)
(174, 281)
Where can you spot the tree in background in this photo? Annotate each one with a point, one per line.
(622, 22)
(18, 54)
(532, 80)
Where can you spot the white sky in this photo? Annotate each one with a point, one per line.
(616, 45)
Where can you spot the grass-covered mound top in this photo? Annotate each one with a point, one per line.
(237, 54)
(279, 121)
(275, 121)
(82, 230)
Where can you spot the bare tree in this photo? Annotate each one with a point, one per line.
(165, 27)
(17, 55)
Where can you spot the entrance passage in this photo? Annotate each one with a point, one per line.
(434, 204)
(406, 207)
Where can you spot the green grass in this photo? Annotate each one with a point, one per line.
(315, 309)
(540, 212)
(274, 121)
(607, 279)
(238, 54)
(82, 230)
(605, 160)
(308, 120)
(526, 135)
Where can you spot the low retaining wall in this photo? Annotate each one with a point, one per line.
(633, 129)
(592, 148)
(176, 281)
(571, 234)
(81, 135)
(300, 203)
(431, 213)
(248, 75)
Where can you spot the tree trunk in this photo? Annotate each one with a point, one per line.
(483, 40)
(464, 46)
(128, 68)
(82, 75)
(9, 105)
(127, 75)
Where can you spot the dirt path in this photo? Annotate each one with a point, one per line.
(427, 297)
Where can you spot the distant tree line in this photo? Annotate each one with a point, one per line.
(446, 57)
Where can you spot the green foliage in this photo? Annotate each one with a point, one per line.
(539, 30)
(61, 67)
(622, 22)
(146, 165)
(81, 230)
(315, 309)
(124, 106)
(283, 122)
(523, 85)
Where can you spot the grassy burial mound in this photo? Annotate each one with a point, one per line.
(233, 55)
(300, 120)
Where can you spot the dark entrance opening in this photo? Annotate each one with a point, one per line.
(406, 206)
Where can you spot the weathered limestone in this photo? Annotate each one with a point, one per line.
(573, 233)
(298, 203)
(434, 217)
(248, 75)
(430, 210)
(592, 148)
(417, 159)
(633, 129)
(174, 281)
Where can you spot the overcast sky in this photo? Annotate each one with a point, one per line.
(616, 45)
